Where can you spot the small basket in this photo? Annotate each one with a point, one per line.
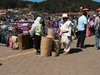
(54, 53)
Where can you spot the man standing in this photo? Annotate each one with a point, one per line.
(97, 33)
(82, 22)
(66, 29)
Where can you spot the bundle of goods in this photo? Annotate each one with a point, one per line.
(46, 46)
(23, 41)
(3, 27)
(25, 28)
(15, 42)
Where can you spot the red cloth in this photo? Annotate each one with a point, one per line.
(15, 25)
(88, 32)
(10, 42)
(30, 25)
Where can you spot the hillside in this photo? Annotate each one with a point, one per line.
(50, 6)
(53, 6)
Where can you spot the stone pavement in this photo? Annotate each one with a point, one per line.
(78, 62)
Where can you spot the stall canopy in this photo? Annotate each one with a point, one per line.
(3, 12)
(85, 9)
(98, 9)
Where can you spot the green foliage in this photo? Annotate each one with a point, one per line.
(51, 6)
(5, 4)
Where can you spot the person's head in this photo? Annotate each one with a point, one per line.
(85, 13)
(64, 17)
(42, 22)
(98, 15)
(94, 15)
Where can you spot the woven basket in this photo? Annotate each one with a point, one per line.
(54, 54)
(51, 32)
(23, 41)
(58, 37)
(46, 46)
(56, 47)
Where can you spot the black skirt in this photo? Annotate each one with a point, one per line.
(37, 42)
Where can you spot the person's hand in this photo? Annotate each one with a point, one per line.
(44, 35)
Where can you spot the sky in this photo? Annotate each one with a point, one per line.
(97, 0)
(36, 0)
(43, 0)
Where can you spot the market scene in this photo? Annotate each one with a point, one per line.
(64, 43)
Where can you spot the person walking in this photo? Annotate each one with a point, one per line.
(97, 32)
(82, 22)
(66, 29)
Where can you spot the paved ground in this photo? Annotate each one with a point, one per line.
(78, 62)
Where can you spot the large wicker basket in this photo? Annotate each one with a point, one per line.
(46, 46)
(23, 41)
(51, 32)
(56, 47)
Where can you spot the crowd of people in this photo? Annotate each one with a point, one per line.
(65, 26)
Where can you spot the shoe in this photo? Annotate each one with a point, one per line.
(65, 53)
(75, 38)
(83, 47)
(13, 49)
(37, 53)
(77, 46)
(97, 48)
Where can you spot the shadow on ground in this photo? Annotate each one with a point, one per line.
(89, 45)
(72, 50)
(0, 64)
(75, 50)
